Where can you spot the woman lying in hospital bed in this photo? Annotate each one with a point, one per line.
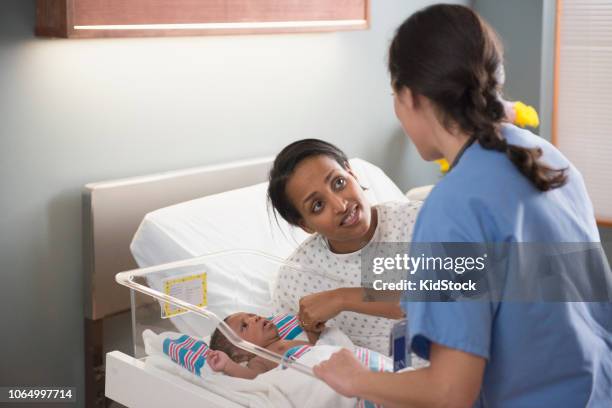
(312, 186)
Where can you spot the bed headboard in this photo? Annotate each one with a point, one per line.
(113, 210)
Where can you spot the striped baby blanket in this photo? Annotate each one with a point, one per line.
(288, 326)
(375, 362)
(187, 352)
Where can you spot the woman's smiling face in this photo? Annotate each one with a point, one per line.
(331, 202)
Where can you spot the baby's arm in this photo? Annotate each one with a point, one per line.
(219, 361)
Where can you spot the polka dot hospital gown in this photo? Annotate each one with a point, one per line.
(395, 223)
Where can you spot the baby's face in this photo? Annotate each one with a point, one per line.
(253, 328)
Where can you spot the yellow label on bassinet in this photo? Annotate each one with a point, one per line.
(190, 289)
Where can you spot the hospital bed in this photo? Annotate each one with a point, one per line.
(154, 220)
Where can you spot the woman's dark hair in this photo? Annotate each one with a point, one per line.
(448, 54)
(284, 165)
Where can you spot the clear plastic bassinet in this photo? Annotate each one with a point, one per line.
(193, 296)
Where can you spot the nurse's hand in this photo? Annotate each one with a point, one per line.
(341, 372)
(318, 308)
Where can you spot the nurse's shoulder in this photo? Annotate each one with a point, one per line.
(476, 199)
(447, 216)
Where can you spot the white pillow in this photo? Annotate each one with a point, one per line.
(235, 219)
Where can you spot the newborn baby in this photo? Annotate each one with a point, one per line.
(226, 358)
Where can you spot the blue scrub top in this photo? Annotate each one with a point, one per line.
(538, 354)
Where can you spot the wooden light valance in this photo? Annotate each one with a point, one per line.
(146, 18)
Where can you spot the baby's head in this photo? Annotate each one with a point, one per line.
(313, 187)
(250, 327)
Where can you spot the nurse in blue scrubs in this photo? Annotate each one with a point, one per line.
(505, 185)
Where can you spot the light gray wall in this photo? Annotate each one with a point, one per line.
(519, 24)
(78, 111)
(547, 90)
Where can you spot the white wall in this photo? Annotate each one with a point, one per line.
(77, 111)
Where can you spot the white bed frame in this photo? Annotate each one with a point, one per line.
(132, 384)
(112, 212)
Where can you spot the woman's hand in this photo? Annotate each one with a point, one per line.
(217, 360)
(313, 336)
(318, 308)
(341, 372)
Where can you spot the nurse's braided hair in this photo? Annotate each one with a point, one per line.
(448, 54)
